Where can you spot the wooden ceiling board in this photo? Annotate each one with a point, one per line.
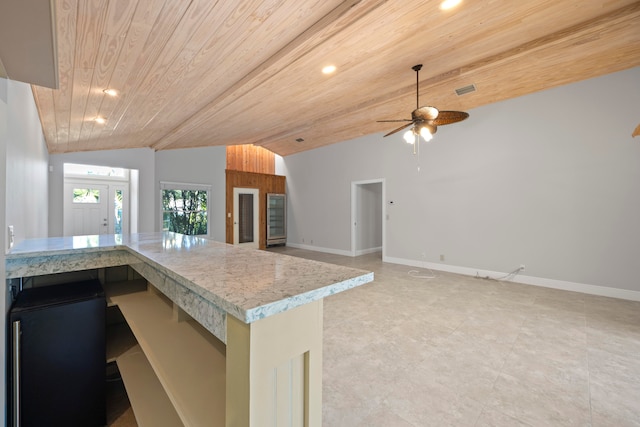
(200, 72)
(46, 111)
(147, 37)
(139, 50)
(309, 102)
(215, 83)
(66, 16)
(223, 95)
(118, 21)
(166, 69)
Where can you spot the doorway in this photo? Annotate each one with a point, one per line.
(246, 217)
(367, 213)
(96, 200)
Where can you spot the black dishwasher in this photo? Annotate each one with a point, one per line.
(56, 372)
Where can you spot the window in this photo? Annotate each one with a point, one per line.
(92, 171)
(86, 195)
(245, 213)
(185, 208)
(118, 200)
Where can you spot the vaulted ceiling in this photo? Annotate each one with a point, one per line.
(203, 72)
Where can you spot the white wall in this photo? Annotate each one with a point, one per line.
(26, 166)
(23, 182)
(141, 159)
(197, 166)
(550, 180)
(280, 165)
(4, 295)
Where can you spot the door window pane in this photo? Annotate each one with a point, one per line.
(245, 217)
(86, 195)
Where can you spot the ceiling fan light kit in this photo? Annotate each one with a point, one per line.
(425, 120)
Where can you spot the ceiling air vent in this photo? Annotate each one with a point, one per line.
(465, 90)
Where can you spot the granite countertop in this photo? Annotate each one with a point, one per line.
(247, 283)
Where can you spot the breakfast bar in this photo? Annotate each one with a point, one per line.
(224, 335)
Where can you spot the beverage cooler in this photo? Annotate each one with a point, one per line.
(56, 364)
(276, 219)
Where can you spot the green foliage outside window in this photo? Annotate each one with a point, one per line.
(184, 211)
(117, 211)
(86, 195)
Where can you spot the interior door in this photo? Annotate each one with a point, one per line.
(246, 217)
(85, 209)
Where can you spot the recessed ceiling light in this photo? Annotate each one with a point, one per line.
(449, 4)
(329, 69)
(111, 92)
(100, 120)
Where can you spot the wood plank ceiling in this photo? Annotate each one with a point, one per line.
(202, 72)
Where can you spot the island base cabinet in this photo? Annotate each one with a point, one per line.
(274, 369)
(175, 375)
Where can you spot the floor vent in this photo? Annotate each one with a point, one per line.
(466, 89)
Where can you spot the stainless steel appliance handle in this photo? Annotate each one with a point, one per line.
(16, 373)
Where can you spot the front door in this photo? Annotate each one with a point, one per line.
(246, 217)
(86, 209)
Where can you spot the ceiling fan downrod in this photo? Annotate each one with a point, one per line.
(417, 69)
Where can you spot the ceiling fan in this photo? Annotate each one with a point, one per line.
(425, 120)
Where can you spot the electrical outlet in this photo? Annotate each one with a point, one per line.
(521, 267)
(441, 257)
(312, 241)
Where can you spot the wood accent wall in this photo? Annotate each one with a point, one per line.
(250, 158)
(263, 182)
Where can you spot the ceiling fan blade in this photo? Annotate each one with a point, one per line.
(390, 121)
(399, 129)
(448, 117)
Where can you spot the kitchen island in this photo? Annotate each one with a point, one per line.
(232, 336)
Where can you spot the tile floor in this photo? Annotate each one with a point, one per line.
(459, 351)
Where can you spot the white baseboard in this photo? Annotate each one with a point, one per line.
(320, 249)
(527, 280)
(368, 251)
